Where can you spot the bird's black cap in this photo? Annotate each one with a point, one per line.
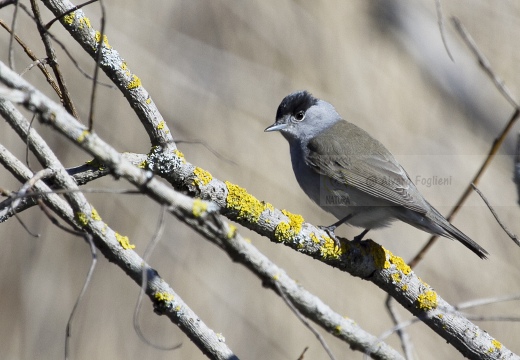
(297, 101)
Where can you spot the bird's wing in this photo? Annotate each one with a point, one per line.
(365, 164)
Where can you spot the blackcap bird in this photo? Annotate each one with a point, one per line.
(352, 175)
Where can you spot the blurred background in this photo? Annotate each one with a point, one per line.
(217, 71)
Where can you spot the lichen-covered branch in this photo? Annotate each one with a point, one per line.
(190, 211)
(116, 247)
(366, 259)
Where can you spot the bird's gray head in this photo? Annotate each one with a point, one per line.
(301, 117)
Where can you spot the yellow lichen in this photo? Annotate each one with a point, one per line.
(81, 138)
(148, 101)
(330, 250)
(276, 277)
(180, 154)
(232, 230)
(337, 329)
(124, 241)
(84, 21)
(384, 259)
(202, 177)
(396, 277)
(497, 345)
(404, 287)
(427, 300)
(105, 39)
(124, 67)
(142, 164)
(69, 18)
(134, 83)
(199, 207)
(94, 214)
(288, 230)
(400, 264)
(164, 296)
(247, 206)
(81, 218)
(160, 126)
(96, 164)
(314, 238)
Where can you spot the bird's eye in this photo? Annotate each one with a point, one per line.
(299, 116)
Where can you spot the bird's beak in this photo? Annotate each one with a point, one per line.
(276, 127)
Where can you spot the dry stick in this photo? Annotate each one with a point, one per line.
(404, 337)
(509, 233)
(4, 3)
(484, 62)
(11, 38)
(303, 320)
(33, 57)
(53, 62)
(147, 252)
(97, 67)
(67, 52)
(442, 28)
(497, 143)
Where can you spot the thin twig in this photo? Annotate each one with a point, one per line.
(509, 233)
(97, 67)
(484, 62)
(442, 28)
(404, 336)
(53, 62)
(88, 279)
(33, 57)
(497, 143)
(149, 249)
(4, 3)
(303, 320)
(11, 38)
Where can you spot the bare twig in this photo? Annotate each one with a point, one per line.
(484, 62)
(53, 62)
(506, 230)
(97, 67)
(406, 340)
(442, 28)
(149, 249)
(33, 57)
(88, 279)
(300, 317)
(11, 38)
(4, 3)
(497, 143)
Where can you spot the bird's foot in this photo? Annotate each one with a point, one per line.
(330, 231)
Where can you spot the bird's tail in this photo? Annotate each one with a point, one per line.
(434, 223)
(452, 232)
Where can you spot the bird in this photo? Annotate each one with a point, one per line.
(351, 175)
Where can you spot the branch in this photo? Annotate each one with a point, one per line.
(366, 259)
(114, 246)
(116, 69)
(348, 330)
